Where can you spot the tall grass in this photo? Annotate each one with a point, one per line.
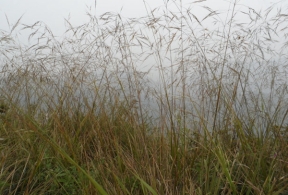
(164, 104)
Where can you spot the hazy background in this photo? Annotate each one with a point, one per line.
(53, 12)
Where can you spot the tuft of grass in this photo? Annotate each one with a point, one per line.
(165, 104)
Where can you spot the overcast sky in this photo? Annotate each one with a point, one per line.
(53, 12)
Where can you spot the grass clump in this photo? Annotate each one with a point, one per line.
(165, 104)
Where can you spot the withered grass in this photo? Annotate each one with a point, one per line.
(164, 104)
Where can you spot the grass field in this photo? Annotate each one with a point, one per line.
(164, 104)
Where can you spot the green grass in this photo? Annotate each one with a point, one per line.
(81, 114)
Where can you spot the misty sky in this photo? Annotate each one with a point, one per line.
(53, 12)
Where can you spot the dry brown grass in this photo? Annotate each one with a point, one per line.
(164, 104)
